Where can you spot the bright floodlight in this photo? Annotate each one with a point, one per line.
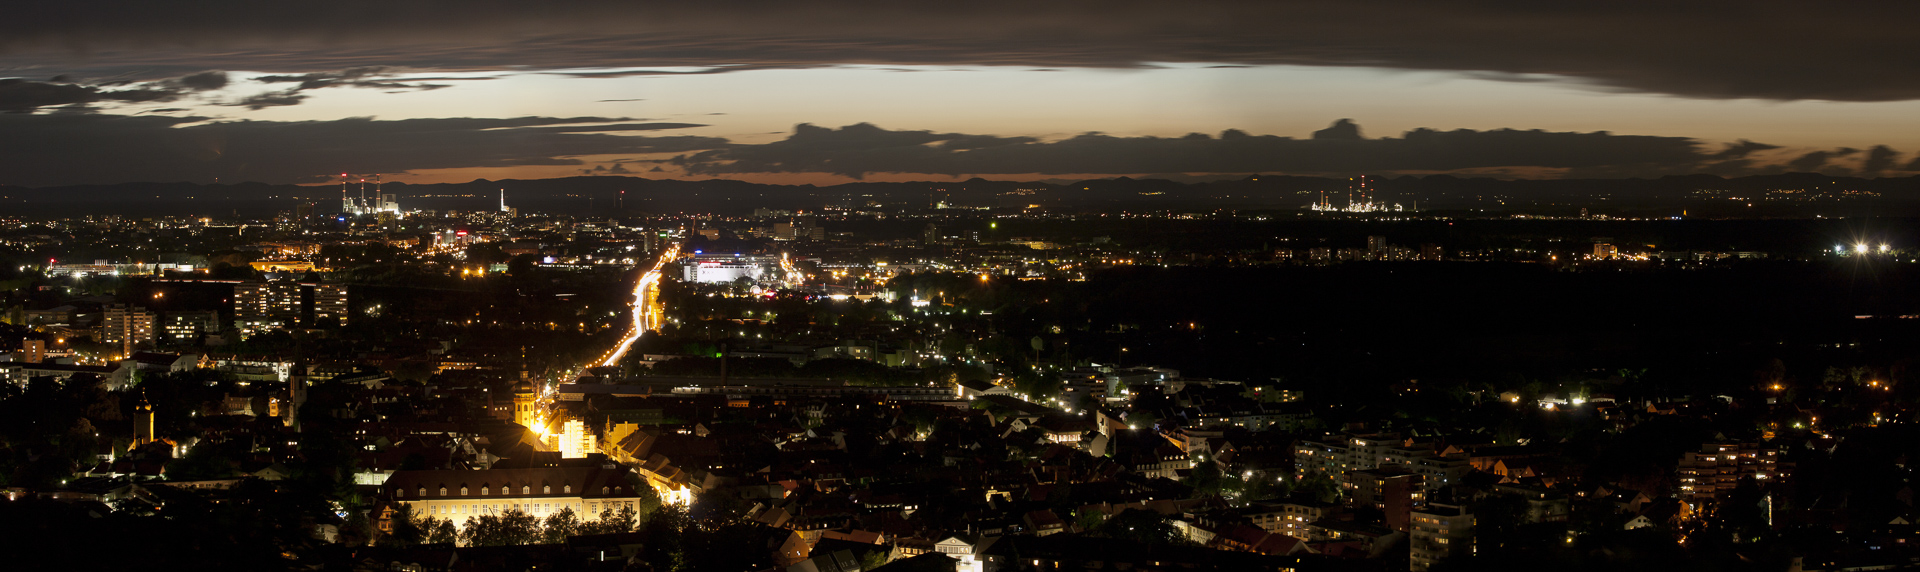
(1860, 247)
(1883, 248)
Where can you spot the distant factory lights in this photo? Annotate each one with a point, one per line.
(1363, 203)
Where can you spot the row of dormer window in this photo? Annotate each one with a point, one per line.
(524, 489)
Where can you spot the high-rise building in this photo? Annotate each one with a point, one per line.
(932, 234)
(1605, 251)
(1393, 491)
(185, 328)
(1718, 467)
(128, 327)
(1376, 244)
(277, 303)
(33, 351)
(264, 305)
(330, 304)
(1439, 532)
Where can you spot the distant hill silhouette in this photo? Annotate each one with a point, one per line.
(1699, 195)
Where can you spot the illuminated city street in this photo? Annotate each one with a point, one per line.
(646, 311)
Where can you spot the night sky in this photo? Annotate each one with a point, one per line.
(831, 91)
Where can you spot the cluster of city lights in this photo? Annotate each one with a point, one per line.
(1861, 248)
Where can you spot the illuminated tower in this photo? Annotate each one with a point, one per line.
(143, 417)
(503, 200)
(523, 404)
(296, 395)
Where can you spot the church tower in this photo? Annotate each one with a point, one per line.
(143, 417)
(523, 404)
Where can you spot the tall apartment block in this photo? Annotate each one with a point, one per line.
(330, 304)
(266, 305)
(1439, 532)
(128, 327)
(186, 328)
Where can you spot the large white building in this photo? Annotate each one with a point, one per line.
(458, 494)
(726, 268)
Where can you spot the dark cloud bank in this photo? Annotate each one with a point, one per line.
(1776, 49)
(62, 149)
(83, 148)
(21, 95)
(365, 77)
(858, 150)
(18, 95)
